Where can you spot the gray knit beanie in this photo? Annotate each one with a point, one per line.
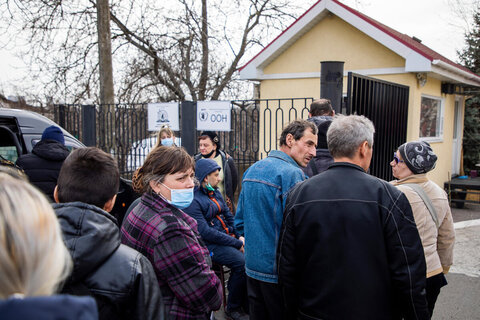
(418, 156)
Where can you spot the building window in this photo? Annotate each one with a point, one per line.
(431, 118)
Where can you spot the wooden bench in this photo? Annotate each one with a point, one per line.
(458, 189)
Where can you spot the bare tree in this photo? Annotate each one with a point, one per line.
(179, 50)
(105, 52)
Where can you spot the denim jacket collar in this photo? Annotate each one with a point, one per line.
(283, 156)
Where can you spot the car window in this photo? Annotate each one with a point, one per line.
(9, 153)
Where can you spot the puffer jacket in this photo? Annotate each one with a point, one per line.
(121, 280)
(349, 249)
(42, 166)
(205, 211)
(437, 243)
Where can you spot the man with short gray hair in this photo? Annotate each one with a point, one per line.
(265, 187)
(349, 247)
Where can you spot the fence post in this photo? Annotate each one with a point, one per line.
(89, 137)
(61, 116)
(189, 126)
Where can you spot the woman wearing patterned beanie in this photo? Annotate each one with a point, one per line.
(431, 211)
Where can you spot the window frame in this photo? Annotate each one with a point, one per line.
(440, 130)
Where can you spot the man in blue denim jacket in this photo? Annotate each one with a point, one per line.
(265, 188)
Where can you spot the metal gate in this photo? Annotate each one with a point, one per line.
(256, 125)
(386, 104)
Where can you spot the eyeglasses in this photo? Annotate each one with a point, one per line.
(396, 159)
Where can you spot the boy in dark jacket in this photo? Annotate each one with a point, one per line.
(121, 280)
(42, 166)
(216, 226)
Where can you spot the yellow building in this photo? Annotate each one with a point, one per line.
(331, 31)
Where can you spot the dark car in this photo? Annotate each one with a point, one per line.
(20, 130)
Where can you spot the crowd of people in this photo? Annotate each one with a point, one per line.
(300, 243)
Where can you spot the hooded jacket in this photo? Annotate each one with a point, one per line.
(205, 212)
(323, 159)
(230, 175)
(121, 280)
(437, 243)
(58, 307)
(42, 166)
(213, 216)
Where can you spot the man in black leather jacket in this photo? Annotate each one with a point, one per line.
(121, 280)
(349, 247)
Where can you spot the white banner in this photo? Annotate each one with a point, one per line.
(214, 115)
(161, 114)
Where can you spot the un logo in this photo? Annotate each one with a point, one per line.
(203, 115)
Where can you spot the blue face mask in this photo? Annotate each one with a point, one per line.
(181, 198)
(167, 142)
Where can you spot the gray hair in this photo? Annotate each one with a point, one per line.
(33, 258)
(346, 133)
(297, 129)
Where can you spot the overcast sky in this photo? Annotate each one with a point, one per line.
(440, 24)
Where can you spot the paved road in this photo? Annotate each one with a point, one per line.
(460, 299)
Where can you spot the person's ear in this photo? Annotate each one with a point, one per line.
(289, 140)
(110, 203)
(154, 185)
(309, 115)
(55, 194)
(364, 147)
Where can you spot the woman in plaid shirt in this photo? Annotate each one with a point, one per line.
(159, 229)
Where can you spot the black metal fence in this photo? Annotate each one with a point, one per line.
(386, 104)
(122, 129)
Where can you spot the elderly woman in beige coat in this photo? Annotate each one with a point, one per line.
(433, 217)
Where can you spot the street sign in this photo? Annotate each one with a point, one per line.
(163, 114)
(214, 115)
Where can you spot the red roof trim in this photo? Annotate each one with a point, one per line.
(402, 38)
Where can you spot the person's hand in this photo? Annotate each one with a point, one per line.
(242, 239)
(242, 249)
